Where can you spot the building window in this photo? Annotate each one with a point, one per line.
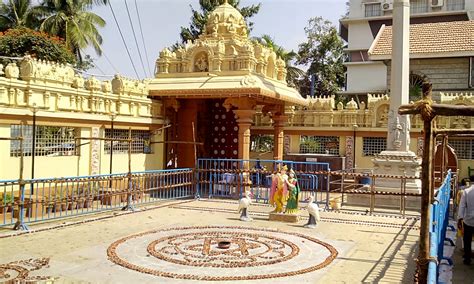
(373, 10)
(419, 6)
(261, 143)
(464, 148)
(455, 5)
(140, 144)
(374, 145)
(319, 145)
(50, 141)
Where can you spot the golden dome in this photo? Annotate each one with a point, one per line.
(226, 20)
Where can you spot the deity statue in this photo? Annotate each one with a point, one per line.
(279, 190)
(294, 192)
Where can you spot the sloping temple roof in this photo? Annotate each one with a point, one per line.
(446, 39)
(221, 63)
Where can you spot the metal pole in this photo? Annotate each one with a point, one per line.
(33, 146)
(426, 179)
(20, 225)
(354, 146)
(129, 205)
(111, 147)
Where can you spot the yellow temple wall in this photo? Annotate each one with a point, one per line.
(63, 98)
(323, 117)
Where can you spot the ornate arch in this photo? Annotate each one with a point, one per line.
(416, 83)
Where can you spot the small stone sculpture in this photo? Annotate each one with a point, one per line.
(243, 205)
(313, 210)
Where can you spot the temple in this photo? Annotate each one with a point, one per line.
(215, 84)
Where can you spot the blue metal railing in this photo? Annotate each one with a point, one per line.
(229, 177)
(34, 200)
(439, 219)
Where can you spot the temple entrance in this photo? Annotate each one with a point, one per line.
(204, 121)
(218, 130)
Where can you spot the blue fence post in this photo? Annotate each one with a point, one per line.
(433, 265)
(439, 222)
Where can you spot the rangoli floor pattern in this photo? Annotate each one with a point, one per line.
(254, 253)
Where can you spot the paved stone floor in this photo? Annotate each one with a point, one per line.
(462, 274)
(179, 240)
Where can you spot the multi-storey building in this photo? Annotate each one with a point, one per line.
(367, 73)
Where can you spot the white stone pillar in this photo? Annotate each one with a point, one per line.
(399, 125)
(398, 160)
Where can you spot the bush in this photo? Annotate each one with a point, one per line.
(21, 41)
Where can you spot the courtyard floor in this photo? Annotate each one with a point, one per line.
(175, 242)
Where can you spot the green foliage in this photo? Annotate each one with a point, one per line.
(199, 18)
(262, 143)
(323, 54)
(6, 199)
(72, 20)
(19, 13)
(22, 41)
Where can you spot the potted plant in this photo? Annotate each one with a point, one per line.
(6, 203)
(27, 207)
(49, 205)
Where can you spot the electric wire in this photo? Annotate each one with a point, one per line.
(135, 37)
(143, 39)
(110, 62)
(123, 39)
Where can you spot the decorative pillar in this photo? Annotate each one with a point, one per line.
(278, 136)
(398, 159)
(244, 121)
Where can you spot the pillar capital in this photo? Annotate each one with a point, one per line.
(244, 115)
(241, 103)
(172, 103)
(273, 110)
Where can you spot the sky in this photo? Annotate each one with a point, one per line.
(161, 21)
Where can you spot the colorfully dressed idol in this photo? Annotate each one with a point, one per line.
(279, 190)
(293, 194)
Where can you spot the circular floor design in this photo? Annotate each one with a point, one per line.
(192, 253)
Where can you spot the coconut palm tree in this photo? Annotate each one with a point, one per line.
(18, 13)
(73, 21)
(293, 73)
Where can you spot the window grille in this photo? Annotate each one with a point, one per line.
(373, 145)
(455, 5)
(50, 141)
(140, 143)
(320, 145)
(373, 10)
(419, 6)
(464, 148)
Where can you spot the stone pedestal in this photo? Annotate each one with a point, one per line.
(397, 163)
(281, 217)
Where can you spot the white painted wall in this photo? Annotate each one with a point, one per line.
(360, 35)
(356, 9)
(367, 77)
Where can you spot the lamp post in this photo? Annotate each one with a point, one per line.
(354, 129)
(113, 115)
(33, 109)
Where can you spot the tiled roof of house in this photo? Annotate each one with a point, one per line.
(427, 40)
